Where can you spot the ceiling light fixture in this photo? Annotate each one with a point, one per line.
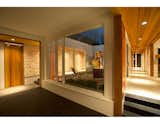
(12, 39)
(144, 23)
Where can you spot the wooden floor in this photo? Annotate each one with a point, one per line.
(40, 102)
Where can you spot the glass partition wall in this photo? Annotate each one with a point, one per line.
(78, 62)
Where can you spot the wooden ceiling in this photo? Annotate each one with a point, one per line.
(8, 38)
(140, 36)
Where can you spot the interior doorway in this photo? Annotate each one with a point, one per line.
(19, 62)
(14, 65)
(138, 60)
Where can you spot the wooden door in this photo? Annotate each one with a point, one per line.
(14, 66)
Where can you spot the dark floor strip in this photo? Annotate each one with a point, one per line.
(138, 111)
(153, 105)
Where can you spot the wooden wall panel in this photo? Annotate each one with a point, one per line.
(14, 66)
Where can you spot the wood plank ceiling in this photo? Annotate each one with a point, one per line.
(140, 36)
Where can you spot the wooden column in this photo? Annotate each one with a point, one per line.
(63, 61)
(144, 60)
(74, 64)
(151, 60)
(119, 78)
(131, 60)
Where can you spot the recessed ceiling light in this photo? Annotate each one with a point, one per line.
(139, 38)
(144, 23)
(12, 39)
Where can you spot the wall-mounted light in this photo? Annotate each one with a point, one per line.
(13, 44)
(144, 23)
(12, 39)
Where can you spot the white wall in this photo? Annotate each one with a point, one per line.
(31, 63)
(2, 83)
(156, 45)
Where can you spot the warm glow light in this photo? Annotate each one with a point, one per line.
(80, 60)
(12, 39)
(16, 89)
(139, 38)
(144, 23)
(140, 81)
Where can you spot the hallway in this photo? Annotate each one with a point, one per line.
(142, 95)
(141, 85)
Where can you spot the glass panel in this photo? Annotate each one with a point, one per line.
(84, 60)
(80, 60)
(60, 47)
(68, 60)
(59, 61)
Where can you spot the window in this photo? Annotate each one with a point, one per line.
(74, 58)
(80, 60)
(69, 60)
(59, 60)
